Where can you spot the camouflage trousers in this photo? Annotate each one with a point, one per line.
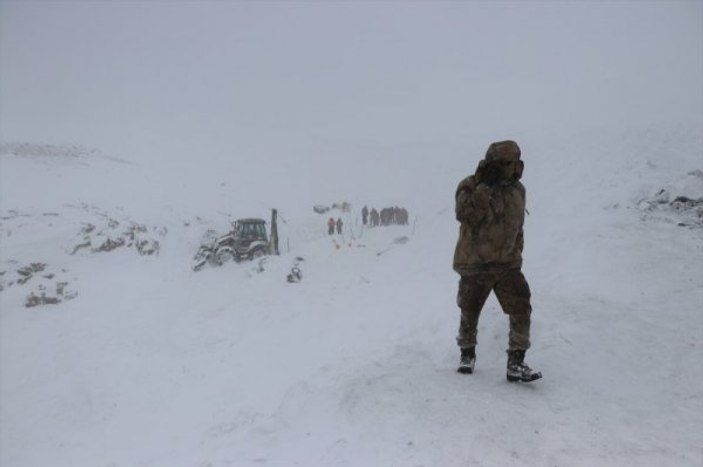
(513, 293)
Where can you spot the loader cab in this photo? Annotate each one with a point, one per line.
(250, 230)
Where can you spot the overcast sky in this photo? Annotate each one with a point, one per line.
(274, 78)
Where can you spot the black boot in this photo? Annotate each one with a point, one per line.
(467, 361)
(518, 369)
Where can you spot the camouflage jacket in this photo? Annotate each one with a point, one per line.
(492, 218)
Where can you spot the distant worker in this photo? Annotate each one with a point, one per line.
(403, 220)
(330, 226)
(374, 217)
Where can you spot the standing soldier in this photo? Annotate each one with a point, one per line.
(339, 226)
(491, 208)
(374, 217)
(384, 216)
(364, 215)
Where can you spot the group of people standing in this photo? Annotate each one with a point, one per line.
(332, 225)
(373, 218)
(387, 216)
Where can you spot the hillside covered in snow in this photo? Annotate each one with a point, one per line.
(140, 361)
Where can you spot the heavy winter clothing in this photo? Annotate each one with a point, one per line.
(491, 216)
(491, 231)
(513, 293)
(518, 370)
(490, 205)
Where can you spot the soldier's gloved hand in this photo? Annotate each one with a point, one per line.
(487, 173)
(491, 175)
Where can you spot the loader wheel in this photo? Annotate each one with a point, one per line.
(224, 255)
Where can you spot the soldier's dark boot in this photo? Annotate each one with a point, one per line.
(518, 369)
(467, 360)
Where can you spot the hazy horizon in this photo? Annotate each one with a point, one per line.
(306, 81)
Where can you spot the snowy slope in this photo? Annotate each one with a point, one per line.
(152, 364)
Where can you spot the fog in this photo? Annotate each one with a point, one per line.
(304, 82)
(229, 109)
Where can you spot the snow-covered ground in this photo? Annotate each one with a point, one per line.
(145, 362)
